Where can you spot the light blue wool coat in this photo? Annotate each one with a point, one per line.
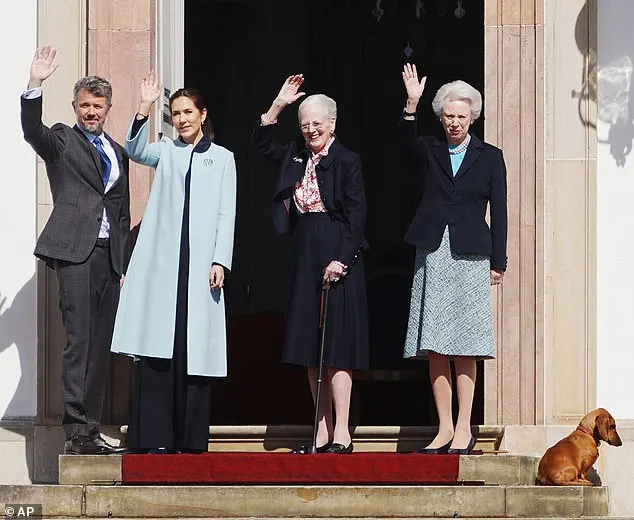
(145, 320)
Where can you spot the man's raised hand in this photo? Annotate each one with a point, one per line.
(42, 65)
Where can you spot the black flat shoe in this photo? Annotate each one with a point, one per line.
(463, 451)
(340, 449)
(435, 451)
(163, 451)
(307, 449)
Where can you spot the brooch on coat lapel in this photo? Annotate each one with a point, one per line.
(298, 159)
(208, 162)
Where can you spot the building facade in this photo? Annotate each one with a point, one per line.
(556, 80)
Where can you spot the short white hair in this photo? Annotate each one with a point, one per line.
(458, 91)
(319, 99)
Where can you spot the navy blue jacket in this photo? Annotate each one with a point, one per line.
(340, 181)
(460, 201)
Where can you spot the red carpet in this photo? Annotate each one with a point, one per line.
(286, 468)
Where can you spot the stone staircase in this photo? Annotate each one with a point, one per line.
(489, 486)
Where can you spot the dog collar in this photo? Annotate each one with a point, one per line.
(585, 430)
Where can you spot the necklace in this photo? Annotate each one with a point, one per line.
(461, 147)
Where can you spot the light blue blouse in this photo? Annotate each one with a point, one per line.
(456, 159)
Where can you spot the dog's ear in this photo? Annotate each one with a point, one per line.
(602, 426)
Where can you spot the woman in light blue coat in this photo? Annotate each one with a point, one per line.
(171, 313)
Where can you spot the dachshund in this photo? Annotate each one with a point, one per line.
(567, 462)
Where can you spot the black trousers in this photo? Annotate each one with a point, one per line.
(88, 298)
(171, 408)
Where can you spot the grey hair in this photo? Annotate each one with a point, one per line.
(319, 99)
(96, 85)
(458, 91)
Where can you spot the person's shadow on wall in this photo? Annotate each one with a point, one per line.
(607, 77)
(12, 332)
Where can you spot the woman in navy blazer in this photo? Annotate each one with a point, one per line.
(458, 255)
(319, 200)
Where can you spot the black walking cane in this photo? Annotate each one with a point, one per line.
(323, 311)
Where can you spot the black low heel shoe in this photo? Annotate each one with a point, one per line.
(340, 449)
(163, 451)
(307, 449)
(463, 451)
(435, 451)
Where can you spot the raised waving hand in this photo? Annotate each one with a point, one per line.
(42, 65)
(151, 89)
(413, 86)
(288, 94)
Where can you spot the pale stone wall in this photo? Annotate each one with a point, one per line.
(18, 288)
(569, 214)
(17, 226)
(615, 207)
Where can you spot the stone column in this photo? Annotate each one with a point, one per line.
(61, 23)
(513, 107)
(121, 48)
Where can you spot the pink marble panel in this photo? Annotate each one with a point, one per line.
(99, 14)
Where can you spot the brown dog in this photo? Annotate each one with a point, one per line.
(567, 462)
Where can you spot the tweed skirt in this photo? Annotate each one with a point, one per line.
(450, 309)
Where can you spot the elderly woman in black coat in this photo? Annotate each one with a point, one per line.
(319, 200)
(458, 255)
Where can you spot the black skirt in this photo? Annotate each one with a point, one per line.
(316, 238)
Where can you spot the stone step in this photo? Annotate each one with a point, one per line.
(311, 501)
(366, 438)
(473, 469)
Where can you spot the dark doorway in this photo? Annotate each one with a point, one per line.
(239, 52)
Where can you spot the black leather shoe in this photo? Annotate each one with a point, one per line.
(307, 449)
(100, 441)
(435, 451)
(463, 451)
(340, 449)
(97, 445)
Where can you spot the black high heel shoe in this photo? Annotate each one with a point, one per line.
(340, 449)
(435, 451)
(463, 451)
(307, 449)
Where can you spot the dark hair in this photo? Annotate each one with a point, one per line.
(97, 86)
(197, 98)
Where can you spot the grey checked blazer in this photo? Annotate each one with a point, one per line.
(74, 172)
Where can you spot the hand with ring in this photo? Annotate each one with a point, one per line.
(497, 275)
(333, 272)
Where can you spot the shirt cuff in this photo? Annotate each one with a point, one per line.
(32, 93)
(266, 123)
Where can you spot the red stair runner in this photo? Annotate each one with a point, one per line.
(287, 468)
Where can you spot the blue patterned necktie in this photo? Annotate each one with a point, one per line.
(106, 166)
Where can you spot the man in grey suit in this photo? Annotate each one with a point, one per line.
(85, 241)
